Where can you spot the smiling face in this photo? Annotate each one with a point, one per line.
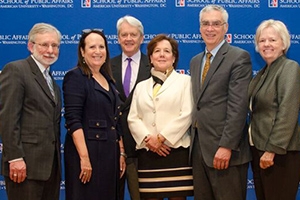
(45, 48)
(270, 45)
(212, 28)
(94, 52)
(162, 57)
(129, 38)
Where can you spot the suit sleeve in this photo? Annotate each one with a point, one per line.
(288, 95)
(137, 128)
(74, 98)
(237, 101)
(12, 92)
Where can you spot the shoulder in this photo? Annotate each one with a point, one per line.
(74, 73)
(143, 83)
(116, 59)
(237, 51)
(197, 56)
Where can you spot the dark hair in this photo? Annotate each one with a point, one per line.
(160, 37)
(106, 68)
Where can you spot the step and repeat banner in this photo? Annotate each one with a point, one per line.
(177, 18)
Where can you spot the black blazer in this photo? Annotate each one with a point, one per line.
(144, 73)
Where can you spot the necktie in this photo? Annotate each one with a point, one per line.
(49, 82)
(206, 66)
(127, 78)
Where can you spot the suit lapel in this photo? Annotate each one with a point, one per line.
(40, 79)
(169, 81)
(213, 67)
(143, 74)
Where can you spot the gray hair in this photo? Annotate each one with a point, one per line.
(279, 27)
(42, 28)
(132, 21)
(215, 7)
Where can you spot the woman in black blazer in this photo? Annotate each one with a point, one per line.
(94, 151)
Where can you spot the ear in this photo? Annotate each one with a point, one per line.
(30, 46)
(82, 52)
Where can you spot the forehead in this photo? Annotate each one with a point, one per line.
(47, 36)
(94, 37)
(126, 27)
(163, 44)
(212, 15)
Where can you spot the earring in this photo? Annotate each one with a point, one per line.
(83, 60)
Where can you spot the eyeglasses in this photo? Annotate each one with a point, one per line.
(132, 35)
(87, 31)
(214, 24)
(46, 46)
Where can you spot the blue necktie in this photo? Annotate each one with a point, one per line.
(127, 78)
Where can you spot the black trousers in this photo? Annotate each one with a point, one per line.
(279, 181)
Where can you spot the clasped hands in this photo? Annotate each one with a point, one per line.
(155, 142)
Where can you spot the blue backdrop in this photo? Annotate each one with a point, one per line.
(178, 18)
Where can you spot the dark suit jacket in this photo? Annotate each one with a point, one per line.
(221, 104)
(29, 119)
(144, 73)
(275, 91)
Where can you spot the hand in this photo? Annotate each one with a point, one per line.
(122, 166)
(17, 171)
(152, 143)
(266, 160)
(222, 158)
(86, 170)
(164, 150)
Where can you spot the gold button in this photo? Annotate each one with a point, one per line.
(97, 136)
(113, 128)
(97, 124)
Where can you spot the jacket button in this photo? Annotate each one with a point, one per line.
(97, 124)
(120, 113)
(112, 128)
(153, 124)
(97, 136)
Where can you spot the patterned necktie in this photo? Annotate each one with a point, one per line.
(206, 66)
(127, 78)
(49, 82)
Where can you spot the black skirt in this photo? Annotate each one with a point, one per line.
(169, 176)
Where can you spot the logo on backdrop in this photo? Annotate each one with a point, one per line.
(123, 3)
(224, 3)
(179, 3)
(228, 38)
(273, 3)
(85, 3)
(40, 4)
(284, 4)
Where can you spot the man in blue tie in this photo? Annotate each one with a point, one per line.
(130, 36)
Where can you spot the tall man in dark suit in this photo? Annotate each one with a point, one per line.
(130, 36)
(30, 112)
(220, 150)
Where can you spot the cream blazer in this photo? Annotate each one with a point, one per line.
(169, 113)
